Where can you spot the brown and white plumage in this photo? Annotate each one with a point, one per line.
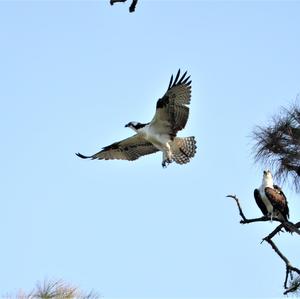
(171, 116)
(172, 108)
(128, 149)
(270, 198)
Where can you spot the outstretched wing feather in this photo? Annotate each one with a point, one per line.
(172, 107)
(128, 149)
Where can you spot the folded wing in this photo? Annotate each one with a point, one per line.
(278, 200)
(259, 202)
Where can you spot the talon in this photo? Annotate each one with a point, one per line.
(166, 162)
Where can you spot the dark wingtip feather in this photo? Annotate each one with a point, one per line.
(177, 76)
(182, 77)
(185, 80)
(82, 156)
(182, 80)
(171, 81)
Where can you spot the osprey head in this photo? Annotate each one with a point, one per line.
(135, 126)
(267, 173)
(267, 178)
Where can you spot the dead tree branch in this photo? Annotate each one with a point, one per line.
(112, 2)
(239, 206)
(290, 227)
(294, 286)
(289, 268)
(131, 7)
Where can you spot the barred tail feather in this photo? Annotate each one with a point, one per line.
(183, 149)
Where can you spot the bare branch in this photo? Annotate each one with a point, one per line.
(245, 220)
(239, 206)
(112, 2)
(290, 227)
(132, 6)
(289, 268)
(294, 286)
(280, 254)
(286, 278)
(275, 231)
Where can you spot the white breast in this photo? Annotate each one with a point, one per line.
(157, 139)
(266, 200)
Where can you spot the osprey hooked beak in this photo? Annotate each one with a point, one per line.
(127, 125)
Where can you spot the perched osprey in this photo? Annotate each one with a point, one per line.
(159, 134)
(271, 199)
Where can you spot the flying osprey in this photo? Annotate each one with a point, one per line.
(271, 199)
(159, 134)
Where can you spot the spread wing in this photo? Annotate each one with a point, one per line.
(259, 202)
(128, 149)
(172, 111)
(278, 200)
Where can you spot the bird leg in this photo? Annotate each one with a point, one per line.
(167, 159)
(166, 162)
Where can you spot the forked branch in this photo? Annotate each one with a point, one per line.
(290, 227)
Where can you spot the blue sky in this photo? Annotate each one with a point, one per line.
(72, 75)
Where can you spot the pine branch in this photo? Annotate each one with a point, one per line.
(277, 145)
